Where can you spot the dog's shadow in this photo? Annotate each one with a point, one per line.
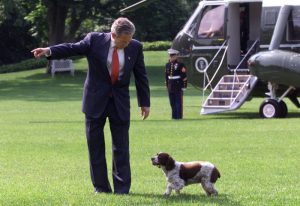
(221, 199)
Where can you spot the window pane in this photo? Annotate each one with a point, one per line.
(212, 22)
(192, 28)
(271, 17)
(294, 26)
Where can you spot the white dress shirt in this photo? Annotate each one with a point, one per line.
(121, 56)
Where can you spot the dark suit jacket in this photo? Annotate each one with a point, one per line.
(98, 86)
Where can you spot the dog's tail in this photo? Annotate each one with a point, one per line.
(215, 174)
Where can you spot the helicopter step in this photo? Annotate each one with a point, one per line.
(229, 94)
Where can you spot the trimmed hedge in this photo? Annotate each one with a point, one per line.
(30, 64)
(157, 45)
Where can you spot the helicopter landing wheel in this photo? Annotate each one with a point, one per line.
(270, 108)
(283, 109)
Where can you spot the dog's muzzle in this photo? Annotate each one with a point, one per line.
(155, 161)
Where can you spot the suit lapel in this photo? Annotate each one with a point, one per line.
(107, 43)
(106, 46)
(127, 56)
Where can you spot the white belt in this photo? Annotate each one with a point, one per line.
(174, 77)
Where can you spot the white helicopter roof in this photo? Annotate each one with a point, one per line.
(270, 3)
(266, 3)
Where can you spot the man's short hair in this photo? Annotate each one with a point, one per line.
(123, 25)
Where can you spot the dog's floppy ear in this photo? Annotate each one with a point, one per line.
(170, 164)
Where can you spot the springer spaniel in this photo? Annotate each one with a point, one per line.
(180, 174)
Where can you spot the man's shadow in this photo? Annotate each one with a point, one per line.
(221, 199)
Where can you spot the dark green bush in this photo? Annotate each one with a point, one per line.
(157, 45)
(38, 63)
(24, 65)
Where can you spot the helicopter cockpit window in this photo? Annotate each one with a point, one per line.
(293, 33)
(212, 22)
(190, 26)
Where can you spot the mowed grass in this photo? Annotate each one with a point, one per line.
(44, 159)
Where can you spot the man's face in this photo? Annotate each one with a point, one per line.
(173, 57)
(122, 41)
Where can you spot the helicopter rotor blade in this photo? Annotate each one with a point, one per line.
(136, 6)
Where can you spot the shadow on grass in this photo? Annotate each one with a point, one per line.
(249, 115)
(224, 116)
(42, 87)
(55, 122)
(221, 199)
(79, 74)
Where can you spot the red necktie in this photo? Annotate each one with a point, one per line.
(114, 66)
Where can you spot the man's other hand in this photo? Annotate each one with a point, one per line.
(145, 112)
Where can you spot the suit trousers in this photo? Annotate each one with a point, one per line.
(120, 150)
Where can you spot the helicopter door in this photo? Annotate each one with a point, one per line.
(208, 35)
(243, 29)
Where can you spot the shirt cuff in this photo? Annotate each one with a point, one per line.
(49, 54)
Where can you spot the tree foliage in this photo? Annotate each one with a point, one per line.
(65, 18)
(24, 24)
(161, 20)
(16, 37)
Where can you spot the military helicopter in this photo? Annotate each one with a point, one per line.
(230, 45)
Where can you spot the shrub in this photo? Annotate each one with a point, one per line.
(157, 45)
(24, 65)
(42, 62)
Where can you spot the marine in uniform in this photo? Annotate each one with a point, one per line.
(176, 82)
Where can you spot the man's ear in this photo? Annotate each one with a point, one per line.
(113, 35)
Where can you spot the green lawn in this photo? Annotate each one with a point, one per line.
(44, 160)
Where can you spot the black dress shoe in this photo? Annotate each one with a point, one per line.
(98, 191)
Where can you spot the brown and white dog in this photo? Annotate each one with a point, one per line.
(180, 174)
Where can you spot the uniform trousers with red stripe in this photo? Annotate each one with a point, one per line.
(176, 102)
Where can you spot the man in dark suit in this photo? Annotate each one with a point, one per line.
(112, 57)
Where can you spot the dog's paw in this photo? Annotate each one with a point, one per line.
(166, 195)
(214, 194)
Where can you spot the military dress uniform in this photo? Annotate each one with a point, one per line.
(176, 82)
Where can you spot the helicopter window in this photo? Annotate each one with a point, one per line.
(192, 27)
(212, 22)
(293, 33)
